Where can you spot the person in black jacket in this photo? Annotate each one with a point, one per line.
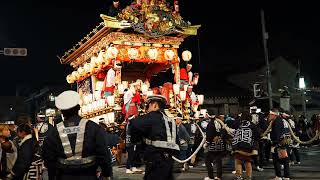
(261, 124)
(159, 133)
(216, 145)
(26, 150)
(75, 147)
(244, 144)
(279, 143)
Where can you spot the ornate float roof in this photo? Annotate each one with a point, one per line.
(153, 24)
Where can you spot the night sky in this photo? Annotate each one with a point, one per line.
(229, 39)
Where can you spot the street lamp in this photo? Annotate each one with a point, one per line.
(302, 86)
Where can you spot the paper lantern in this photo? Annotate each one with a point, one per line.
(169, 55)
(186, 55)
(183, 95)
(110, 100)
(185, 87)
(81, 71)
(93, 62)
(153, 53)
(95, 105)
(125, 84)
(70, 79)
(99, 85)
(112, 52)
(102, 103)
(200, 99)
(100, 58)
(149, 93)
(87, 68)
(144, 88)
(133, 53)
(97, 95)
(132, 89)
(90, 97)
(111, 117)
(101, 75)
(203, 111)
(75, 75)
(120, 88)
(176, 89)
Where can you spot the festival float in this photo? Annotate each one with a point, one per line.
(115, 63)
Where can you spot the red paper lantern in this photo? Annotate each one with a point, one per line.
(101, 75)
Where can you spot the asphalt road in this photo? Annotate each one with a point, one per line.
(308, 170)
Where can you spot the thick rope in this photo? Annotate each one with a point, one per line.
(196, 151)
(268, 130)
(316, 137)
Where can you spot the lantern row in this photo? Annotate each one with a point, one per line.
(104, 58)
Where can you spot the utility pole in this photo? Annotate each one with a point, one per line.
(266, 57)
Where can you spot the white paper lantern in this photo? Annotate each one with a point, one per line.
(75, 74)
(70, 79)
(144, 88)
(110, 100)
(133, 53)
(111, 117)
(186, 55)
(87, 68)
(95, 105)
(125, 84)
(112, 52)
(169, 55)
(94, 62)
(97, 95)
(176, 89)
(120, 88)
(101, 103)
(153, 53)
(183, 95)
(99, 85)
(100, 58)
(185, 87)
(81, 71)
(200, 99)
(132, 89)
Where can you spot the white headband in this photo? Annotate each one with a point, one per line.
(274, 113)
(285, 114)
